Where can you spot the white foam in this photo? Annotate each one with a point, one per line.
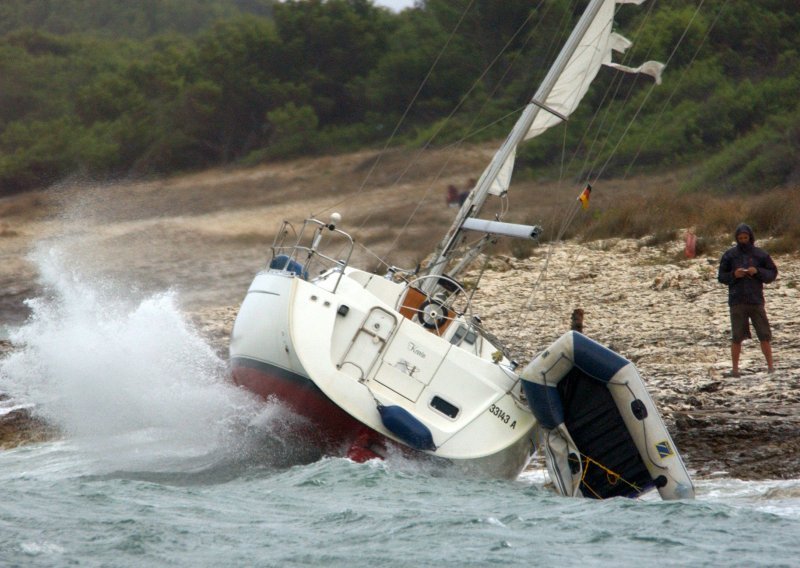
(119, 373)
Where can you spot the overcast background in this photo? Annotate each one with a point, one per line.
(395, 5)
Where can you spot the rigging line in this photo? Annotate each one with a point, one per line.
(562, 168)
(573, 212)
(427, 193)
(586, 167)
(539, 279)
(542, 277)
(472, 133)
(529, 309)
(408, 108)
(369, 252)
(543, 273)
(457, 143)
(624, 133)
(477, 280)
(561, 176)
(516, 57)
(463, 247)
(615, 85)
(419, 205)
(566, 222)
(675, 90)
(471, 130)
(574, 209)
(554, 44)
(584, 134)
(461, 102)
(649, 92)
(618, 80)
(453, 146)
(594, 116)
(565, 21)
(586, 131)
(520, 28)
(569, 218)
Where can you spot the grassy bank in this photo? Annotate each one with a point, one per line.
(774, 214)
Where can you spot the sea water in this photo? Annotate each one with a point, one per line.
(163, 463)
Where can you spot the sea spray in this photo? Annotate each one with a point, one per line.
(113, 371)
(136, 488)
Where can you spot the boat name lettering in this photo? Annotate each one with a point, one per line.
(504, 417)
(416, 350)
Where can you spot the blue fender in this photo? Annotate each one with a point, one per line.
(402, 424)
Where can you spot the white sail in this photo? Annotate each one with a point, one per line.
(503, 180)
(588, 48)
(594, 50)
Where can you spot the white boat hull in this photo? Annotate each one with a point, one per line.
(367, 360)
(338, 358)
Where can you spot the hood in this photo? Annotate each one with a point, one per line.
(745, 228)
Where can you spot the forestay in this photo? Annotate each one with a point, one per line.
(588, 48)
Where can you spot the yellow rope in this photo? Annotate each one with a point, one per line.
(612, 476)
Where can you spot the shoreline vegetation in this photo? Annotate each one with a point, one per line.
(144, 89)
(623, 262)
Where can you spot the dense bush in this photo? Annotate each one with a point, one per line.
(201, 82)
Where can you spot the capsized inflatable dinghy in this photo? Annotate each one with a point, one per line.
(601, 433)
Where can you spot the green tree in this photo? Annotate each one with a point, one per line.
(236, 57)
(329, 47)
(294, 130)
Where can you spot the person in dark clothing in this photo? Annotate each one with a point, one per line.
(745, 268)
(452, 196)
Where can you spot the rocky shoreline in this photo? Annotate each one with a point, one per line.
(666, 313)
(669, 315)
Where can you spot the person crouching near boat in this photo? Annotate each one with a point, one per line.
(745, 268)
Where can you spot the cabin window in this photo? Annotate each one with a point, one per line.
(446, 408)
(459, 335)
(464, 334)
(471, 337)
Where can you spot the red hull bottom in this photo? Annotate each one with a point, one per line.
(326, 426)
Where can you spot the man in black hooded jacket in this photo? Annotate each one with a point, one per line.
(745, 268)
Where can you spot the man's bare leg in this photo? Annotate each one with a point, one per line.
(766, 349)
(736, 351)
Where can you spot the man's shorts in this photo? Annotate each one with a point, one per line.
(740, 328)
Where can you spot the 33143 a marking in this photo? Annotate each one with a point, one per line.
(504, 417)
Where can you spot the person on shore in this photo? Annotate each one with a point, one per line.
(462, 197)
(745, 268)
(452, 196)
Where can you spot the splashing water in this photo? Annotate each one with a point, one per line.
(112, 371)
(164, 462)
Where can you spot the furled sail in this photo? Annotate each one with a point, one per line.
(594, 49)
(503, 180)
(588, 47)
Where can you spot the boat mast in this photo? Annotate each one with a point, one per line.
(477, 197)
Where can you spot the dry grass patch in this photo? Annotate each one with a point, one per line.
(775, 213)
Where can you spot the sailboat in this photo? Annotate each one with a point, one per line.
(396, 362)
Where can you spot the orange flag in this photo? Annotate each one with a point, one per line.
(584, 196)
